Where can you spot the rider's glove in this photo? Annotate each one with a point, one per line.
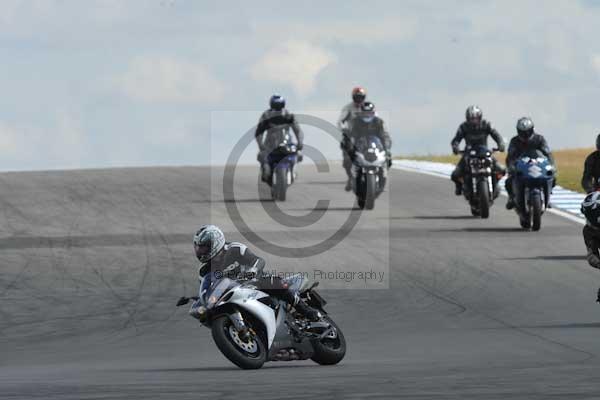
(300, 156)
(455, 150)
(501, 148)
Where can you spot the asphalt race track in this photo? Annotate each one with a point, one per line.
(92, 263)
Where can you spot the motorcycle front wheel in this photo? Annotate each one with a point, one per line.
(248, 353)
(536, 213)
(484, 199)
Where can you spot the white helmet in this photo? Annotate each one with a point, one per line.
(209, 240)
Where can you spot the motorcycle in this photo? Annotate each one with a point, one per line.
(369, 170)
(480, 183)
(250, 328)
(282, 163)
(532, 186)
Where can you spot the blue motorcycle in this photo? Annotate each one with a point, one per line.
(282, 161)
(532, 186)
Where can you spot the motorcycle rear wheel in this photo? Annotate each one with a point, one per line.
(329, 351)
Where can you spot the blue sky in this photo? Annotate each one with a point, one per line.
(123, 83)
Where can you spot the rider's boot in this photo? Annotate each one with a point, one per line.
(458, 188)
(510, 204)
(304, 309)
(348, 186)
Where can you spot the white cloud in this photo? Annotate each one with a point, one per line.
(8, 139)
(295, 63)
(60, 143)
(353, 32)
(166, 79)
(596, 62)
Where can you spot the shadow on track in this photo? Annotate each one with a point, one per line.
(485, 229)
(326, 209)
(265, 200)
(323, 183)
(565, 326)
(435, 217)
(551, 258)
(107, 240)
(224, 368)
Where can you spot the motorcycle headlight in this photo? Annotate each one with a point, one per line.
(211, 301)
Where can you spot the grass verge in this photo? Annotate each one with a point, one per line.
(570, 164)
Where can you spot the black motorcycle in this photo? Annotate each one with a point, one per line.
(480, 182)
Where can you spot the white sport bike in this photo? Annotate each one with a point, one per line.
(251, 328)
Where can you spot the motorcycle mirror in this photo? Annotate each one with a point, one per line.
(183, 301)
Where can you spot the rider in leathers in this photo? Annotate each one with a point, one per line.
(367, 123)
(474, 131)
(527, 140)
(235, 261)
(591, 171)
(344, 124)
(272, 129)
(591, 231)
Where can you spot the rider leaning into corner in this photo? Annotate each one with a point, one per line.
(590, 208)
(474, 131)
(235, 261)
(344, 124)
(525, 141)
(273, 127)
(591, 170)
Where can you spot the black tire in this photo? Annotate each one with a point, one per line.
(536, 213)
(282, 183)
(329, 351)
(371, 191)
(484, 198)
(234, 353)
(525, 222)
(361, 203)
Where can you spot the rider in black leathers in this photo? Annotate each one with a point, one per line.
(474, 131)
(235, 261)
(367, 123)
(590, 208)
(527, 140)
(591, 170)
(273, 127)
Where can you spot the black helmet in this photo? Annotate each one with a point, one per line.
(367, 111)
(277, 102)
(598, 142)
(525, 128)
(591, 209)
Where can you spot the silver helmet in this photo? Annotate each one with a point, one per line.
(473, 114)
(525, 128)
(209, 240)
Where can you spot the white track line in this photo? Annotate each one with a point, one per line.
(440, 170)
